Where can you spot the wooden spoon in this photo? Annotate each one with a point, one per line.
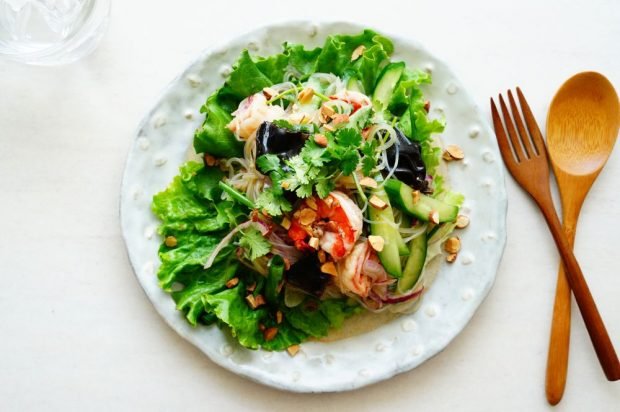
(582, 127)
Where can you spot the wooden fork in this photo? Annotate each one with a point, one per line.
(525, 156)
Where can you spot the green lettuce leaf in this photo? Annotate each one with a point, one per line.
(337, 310)
(191, 299)
(273, 67)
(247, 77)
(400, 98)
(309, 321)
(337, 51)
(231, 309)
(190, 253)
(301, 62)
(177, 202)
(213, 136)
(274, 279)
(369, 66)
(287, 336)
(189, 212)
(316, 317)
(187, 203)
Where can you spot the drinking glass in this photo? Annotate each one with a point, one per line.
(49, 32)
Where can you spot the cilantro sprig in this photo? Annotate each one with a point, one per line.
(254, 244)
(315, 168)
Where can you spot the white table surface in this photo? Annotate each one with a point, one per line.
(78, 333)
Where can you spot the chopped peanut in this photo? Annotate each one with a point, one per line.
(305, 95)
(320, 139)
(232, 283)
(286, 223)
(311, 202)
(210, 160)
(452, 245)
(453, 152)
(293, 349)
(377, 203)
(434, 216)
(270, 333)
(170, 241)
(279, 317)
(268, 92)
(340, 118)
(327, 111)
(307, 216)
(377, 242)
(314, 242)
(251, 301)
(451, 258)
(260, 300)
(285, 184)
(368, 182)
(329, 268)
(321, 255)
(255, 301)
(462, 221)
(357, 52)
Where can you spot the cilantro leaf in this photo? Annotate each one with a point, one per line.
(348, 137)
(272, 203)
(313, 154)
(349, 162)
(304, 190)
(268, 163)
(324, 187)
(368, 163)
(254, 244)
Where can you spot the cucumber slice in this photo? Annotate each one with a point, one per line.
(403, 250)
(440, 231)
(354, 84)
(390, 255)
(402, 196)
(388, 79)
(414, 265)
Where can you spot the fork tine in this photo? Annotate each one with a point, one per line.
(532, 126)
(525, 138)
(514, 137)
(502, 139)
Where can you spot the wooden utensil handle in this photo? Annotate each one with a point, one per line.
(592, 318)
(559, 339)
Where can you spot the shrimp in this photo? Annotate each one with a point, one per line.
(251, 113)
(360, 272)
(335, 221)
(356, 99)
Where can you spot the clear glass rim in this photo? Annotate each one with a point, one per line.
(94, 18)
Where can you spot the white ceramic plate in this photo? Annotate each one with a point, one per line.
(161, 145)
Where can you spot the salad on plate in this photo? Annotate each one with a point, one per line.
(316, 196)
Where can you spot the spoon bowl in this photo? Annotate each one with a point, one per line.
(582, 124)
(582, 127)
